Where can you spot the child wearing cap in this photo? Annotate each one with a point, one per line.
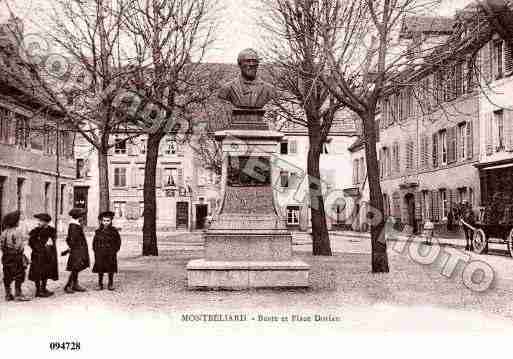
(106, 244)
(42, 240)
(78, 259)
(12, 244)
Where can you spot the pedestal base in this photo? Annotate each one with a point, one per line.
(202, 273)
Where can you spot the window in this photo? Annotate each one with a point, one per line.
(293, 180)
(284, 148)
(362, 170)
(119, 209)
(462, 194)
(292, 146)
(61, 199)
(140, 177)
(356, 168)
(386, 161)
(498, 130)
(292, 215)
(471, 197)
(170, 146)
(170, 177)
(443, 146)
(325, 148)
(395, 158)
(386, 205)
(120, 177)
(119, 146)
(462, 141)
(284, 179)
(46, 197)
(80, 168)
(142, 146)
(141, 209)
(444, 203)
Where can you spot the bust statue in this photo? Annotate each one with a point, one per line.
(247, 91)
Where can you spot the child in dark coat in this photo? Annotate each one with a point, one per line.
(106, 244)
(12, 244)
(78, 259)
(43, 266)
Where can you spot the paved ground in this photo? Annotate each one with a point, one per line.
(152, 296)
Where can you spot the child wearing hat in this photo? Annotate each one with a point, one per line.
(14, 261)
(42, 240)
(78, 259)
(106, 244)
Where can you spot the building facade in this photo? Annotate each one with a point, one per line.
(186, 191)
(447, 136)
(36, 149)
(291, 192)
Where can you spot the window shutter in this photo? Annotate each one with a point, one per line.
(470, 141)
(133, 177)
(488, 135)
(435, 205)
(180, 177)
(494, 132)
(355, 171)
(396, 159)
(508, 129)
(130, 148)
(162, 146)
(435, 150)
(380, 163)
(508, 55)
(293, 146)
(159, 177)
(451, 194)
(451, 143)
(418, 205)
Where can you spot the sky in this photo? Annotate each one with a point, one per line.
(237, 31)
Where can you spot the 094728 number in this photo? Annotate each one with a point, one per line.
(65, 346)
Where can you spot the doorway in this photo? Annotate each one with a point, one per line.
(201, 215)
(182, 215)
(410, 206)
(80, 196)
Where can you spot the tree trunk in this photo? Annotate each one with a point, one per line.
(103, 180)
(320, 236)
(150, 247)
(378, 238)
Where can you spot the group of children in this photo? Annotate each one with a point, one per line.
(43, 261)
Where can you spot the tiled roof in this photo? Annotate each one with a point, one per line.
(426, 24)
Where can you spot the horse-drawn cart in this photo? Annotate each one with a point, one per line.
(489, 229)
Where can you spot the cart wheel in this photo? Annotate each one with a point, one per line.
(480, 242)
(510, 243)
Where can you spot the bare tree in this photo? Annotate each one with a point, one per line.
(169, 39)
(365, 64)
(296, 53)
(83, 40)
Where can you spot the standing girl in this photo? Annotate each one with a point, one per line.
(44, 255)
(106, 244)
(78, 251)
(14, 261)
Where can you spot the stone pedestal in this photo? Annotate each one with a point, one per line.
(247, 244)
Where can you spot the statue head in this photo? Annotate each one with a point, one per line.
(248, 63)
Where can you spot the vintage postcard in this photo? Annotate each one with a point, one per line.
(325, 169)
